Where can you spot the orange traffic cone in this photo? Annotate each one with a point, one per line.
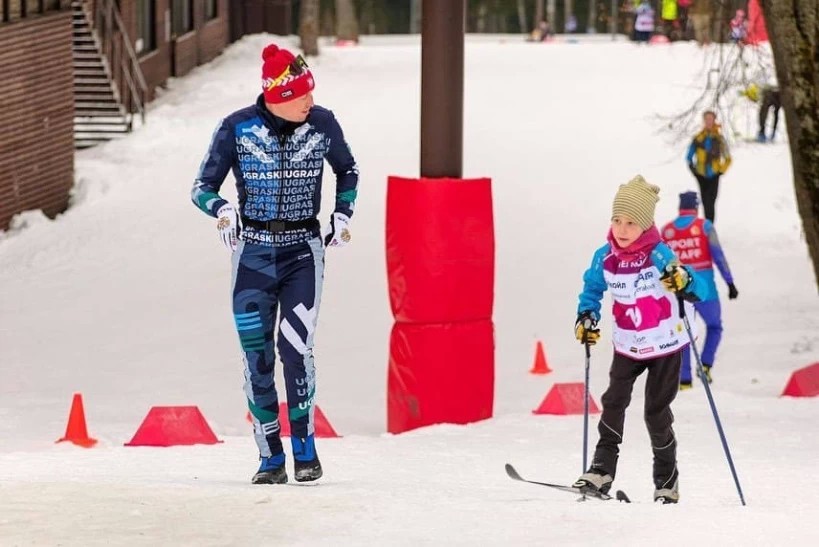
(540, 366)
(76, 431)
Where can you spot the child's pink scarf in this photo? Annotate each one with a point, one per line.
(642, 245)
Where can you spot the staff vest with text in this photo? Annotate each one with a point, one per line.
(690, 244)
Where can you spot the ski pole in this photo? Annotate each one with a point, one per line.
(704, 379)
(586, 326)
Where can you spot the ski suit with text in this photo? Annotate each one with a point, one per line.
(278, 266)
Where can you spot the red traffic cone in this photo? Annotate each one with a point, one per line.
(540, 366)
(76, 431)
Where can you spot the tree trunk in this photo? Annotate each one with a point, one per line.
(346, 22)
(591, 26)
(524, 26)
(551, 14)
(480, 23)
(539, 13)
(793, 29)
(309, 26)
(415, 16)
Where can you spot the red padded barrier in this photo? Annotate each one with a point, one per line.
(440, 249)
(440, 373)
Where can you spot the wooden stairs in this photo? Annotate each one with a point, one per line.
(100, 113)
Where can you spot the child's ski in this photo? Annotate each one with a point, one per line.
(513, 474)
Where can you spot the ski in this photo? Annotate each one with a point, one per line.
(513, 474)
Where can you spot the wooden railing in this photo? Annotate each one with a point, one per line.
(116, 48)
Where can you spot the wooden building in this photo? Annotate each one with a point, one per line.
(79, 72)
(36, 107)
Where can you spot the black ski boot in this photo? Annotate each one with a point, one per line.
(306, 464)
(668, 492)
(271, 471)
(594, 480)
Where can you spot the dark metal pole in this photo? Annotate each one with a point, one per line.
(442, 87)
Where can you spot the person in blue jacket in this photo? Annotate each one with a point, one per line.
(276, 150)
(646, 283)
(695, 242)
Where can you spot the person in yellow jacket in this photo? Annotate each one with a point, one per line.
(668, 13)
(708, 159)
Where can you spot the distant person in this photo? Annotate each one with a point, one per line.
(695, 242)
(771, 100)
(644, 22)
(543, 32)
(276, 150)
(739, 27)
(700, 15)
(708, 158)
(685, 23)
(669, 13)
(571, 24)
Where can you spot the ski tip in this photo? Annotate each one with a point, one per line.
(621, 496)
(512, 472)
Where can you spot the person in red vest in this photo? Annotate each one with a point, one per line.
(696, 244)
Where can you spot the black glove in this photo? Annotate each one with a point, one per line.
(584, 328)
(732, 291)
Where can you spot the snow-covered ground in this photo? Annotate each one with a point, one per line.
(125, 298)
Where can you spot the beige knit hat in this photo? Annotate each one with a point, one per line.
(637, 200)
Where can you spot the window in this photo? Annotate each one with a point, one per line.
(211, 11)
(12, 10)
(182, 16)
(146, 26)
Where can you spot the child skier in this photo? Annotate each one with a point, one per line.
(645, 279)
(695, 242)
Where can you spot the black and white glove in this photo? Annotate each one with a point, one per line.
(228, 225)
(337, 233)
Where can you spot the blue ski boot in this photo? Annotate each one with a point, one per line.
(271, 471)
(306, 464)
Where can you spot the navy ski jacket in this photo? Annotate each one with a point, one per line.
(278, 166)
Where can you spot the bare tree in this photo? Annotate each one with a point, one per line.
(539, 13)
(415, 16)
(591, 26)
(727, 71)
(793, 28)
(524, 26)
(346, 22)
(309, 26)
(551, 14)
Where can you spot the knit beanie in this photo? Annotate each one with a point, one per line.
(689, 201)
(637, 200)
(284, 77)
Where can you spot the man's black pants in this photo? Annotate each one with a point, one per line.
(709, 187)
